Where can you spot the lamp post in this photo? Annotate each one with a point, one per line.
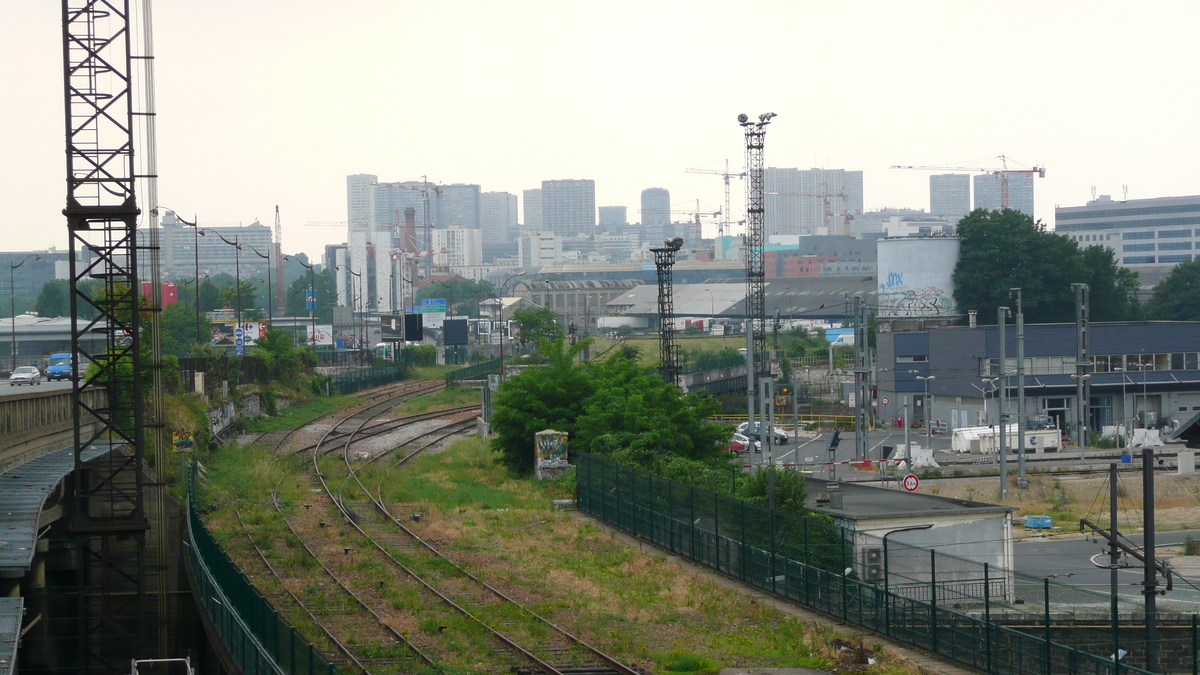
(312, 311)
(12, 300)
(196, 234)
(927, 412)
(355, 301)
(270, 304)
(237, 269)
(500, 304)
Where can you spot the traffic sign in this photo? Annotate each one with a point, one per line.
(911, 482)
(885, 400)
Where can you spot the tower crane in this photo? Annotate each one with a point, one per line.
(827, 200)
(1003, 172)
(697, 214)
(723, 224)
(425, 188)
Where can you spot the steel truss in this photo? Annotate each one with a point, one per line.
(668, 351)
(756, 299)
(107, 518)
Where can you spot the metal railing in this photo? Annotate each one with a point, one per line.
(808, 420)
(811, 561)
(260, 640)
(474, 371)
(351, 381)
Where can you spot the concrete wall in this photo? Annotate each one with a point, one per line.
(35, 423)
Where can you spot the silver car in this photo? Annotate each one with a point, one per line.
(25, 375)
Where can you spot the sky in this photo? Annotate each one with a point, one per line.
(271, 103)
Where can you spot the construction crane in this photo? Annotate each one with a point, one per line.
(827, 199)
(722, 225)
(325, 223)
(425, 188)
(280, 291)
(697, 214)
(1003, 172)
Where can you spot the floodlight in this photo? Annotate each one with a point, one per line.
(742, 118)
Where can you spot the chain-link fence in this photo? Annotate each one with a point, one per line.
(950, 606)
(260, 640)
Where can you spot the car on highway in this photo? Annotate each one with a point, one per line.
(25, 375)
(778, 436)
(58, 367)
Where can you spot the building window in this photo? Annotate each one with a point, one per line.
(912, 359)
(1138, 235)
(1169, 234)
(1129, 248)
(1174, 258)
(1175, 246)
(1141, 259)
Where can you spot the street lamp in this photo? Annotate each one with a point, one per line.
(270, 305)
(12, 300)
(1080, 424)
(983, 391)
(312, 309)
(500, 303)
(927, 412)
(237, 268)
(196, 234)
(356, 300)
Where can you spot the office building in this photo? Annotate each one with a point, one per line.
(950, 195)
(569, 206)
(360, 201)
(816, 201)
(989, 189)
(1155, 233)
(613, 217)
(538, 249)
(497, 217)
(177, 248)
(656, 206)
(457, 247)
(459, 205)
(533, 209)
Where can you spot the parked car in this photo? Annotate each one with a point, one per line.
(25, 375)
(740, 443)
(58, 367)
(779, 436)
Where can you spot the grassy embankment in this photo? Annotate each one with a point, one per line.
(638, 606)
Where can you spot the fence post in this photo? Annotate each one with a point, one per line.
(603, 494)
(692, 517)
(773, 575)
(987, 616)
(671, 514)
(1195, 666)
(807, 563)
(887, 594)
(717, 529)
(1046, 602)
(311, 659)
(742, 545)
(1116, 639)
(843, 570)
(933, 635)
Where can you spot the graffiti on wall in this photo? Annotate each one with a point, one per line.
(550, 448)
(895, 301)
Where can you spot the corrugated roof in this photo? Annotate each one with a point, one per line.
(23, 492)
(800, 297)
(11, 611)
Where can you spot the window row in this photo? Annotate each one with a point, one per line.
(1109, 363)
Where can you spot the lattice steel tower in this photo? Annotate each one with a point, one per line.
(756, 299)
(668, 351)
(107, 519)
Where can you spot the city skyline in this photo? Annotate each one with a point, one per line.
(229, 117)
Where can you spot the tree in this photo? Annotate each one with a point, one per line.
(54, 299)
(462, 295)
(228, 296)
(326, 289)
(789, 490)
(1113, 289)
(536, 325)
(1177, 297)
(177, 325)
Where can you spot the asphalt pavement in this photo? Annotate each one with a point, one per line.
(6, 390)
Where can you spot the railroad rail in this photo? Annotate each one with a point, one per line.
(555, 651)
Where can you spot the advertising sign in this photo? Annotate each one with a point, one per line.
(322, 336)
(182, 441)
(456, 332)
(310, 299)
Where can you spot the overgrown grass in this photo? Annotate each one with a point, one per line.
(446, 398)
(297, 415)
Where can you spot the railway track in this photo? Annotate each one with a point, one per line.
(526, 639)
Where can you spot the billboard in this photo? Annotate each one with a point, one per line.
(391, 328)
(414, 327)
(434, 311)
(323, 335)
(456, 332)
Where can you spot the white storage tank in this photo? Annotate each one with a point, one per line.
(916, 277)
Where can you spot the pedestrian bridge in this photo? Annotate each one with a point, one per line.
(36, 422)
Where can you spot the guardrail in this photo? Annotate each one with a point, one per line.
(810, 561)
(260, 640)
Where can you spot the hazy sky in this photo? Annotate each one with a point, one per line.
(269, 102)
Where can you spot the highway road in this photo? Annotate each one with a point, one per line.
(6, 390)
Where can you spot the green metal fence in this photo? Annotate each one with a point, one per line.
(474, 371)
(351, 381)
(811, 561)
(261, 641)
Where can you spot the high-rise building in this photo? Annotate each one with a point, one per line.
(459, 205)
(1157, 232)
(360, 201)
(806, 201)
(538, 249)
(569, 206)
(656, 206)
(497, 217)
(533, 209)
(989, 186)
(458, 247)
(950, 195)
(177, 248)
(613, 217)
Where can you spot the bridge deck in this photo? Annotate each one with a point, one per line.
(11, 610)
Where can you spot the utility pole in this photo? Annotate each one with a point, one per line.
(907, 445)
(862, 379)
(1150, 578)
(1022, 480)
(766, 426)
(1113, 556)
(1082, 390)
(1001, 319)
(751, 382)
